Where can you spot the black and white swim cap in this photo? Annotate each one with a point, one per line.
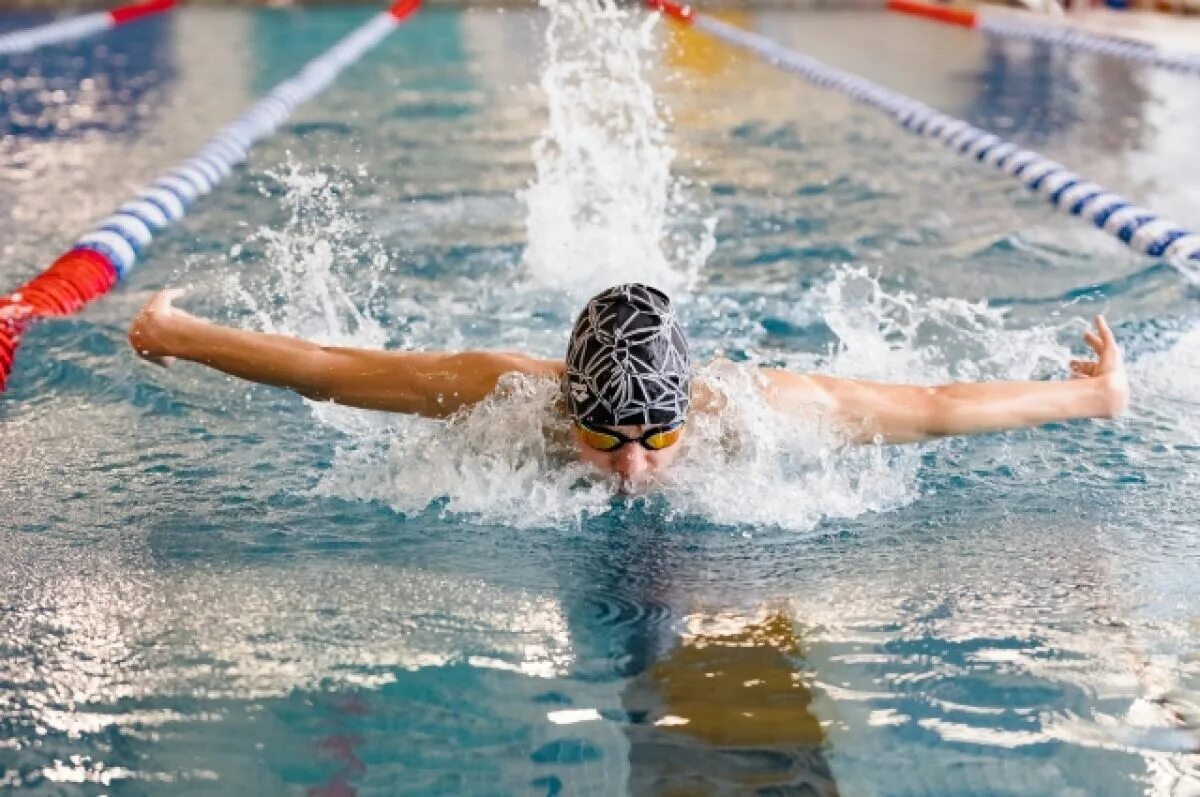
(628, 360)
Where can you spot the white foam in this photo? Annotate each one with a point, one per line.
(1165, 383)
(602, 203)
(322, 271)
(751, 464)
(508, 460)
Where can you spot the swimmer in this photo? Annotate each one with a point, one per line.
(628, 382)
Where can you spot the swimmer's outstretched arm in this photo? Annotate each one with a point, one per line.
(433, 384)
(906, 413)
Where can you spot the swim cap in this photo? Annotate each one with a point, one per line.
(628, 360)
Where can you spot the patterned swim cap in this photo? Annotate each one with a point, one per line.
(628, 360)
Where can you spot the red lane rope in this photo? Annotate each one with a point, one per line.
(940, 13)
(122, 14)
(403, 8)
(72, 281)
(677, 11)
(75, 279)
(109, 251)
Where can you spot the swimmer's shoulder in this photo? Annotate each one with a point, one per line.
(782, 389)
(517, 363)
(514, 373)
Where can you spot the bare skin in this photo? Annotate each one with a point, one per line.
(438, 384)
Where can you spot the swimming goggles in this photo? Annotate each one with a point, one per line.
(608, 440)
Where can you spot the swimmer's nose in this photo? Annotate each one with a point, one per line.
(630, 462)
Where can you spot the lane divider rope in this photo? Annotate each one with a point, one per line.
(1140, 229)
(64, 30)
(1049, 32)
(109, 251)
(951, 15)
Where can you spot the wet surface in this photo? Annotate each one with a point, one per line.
(210, 588)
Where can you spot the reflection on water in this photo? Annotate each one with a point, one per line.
(728, 710)
(108, 85)
(211, 588)
(1034, 93)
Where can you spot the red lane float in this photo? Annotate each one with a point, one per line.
(680, 12)
(64, 30)
(109, 251)
(1031, 27)
(123, 14)
(948, 14)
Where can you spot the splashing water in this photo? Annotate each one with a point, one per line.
(753, 465)
(899, 337)
(320, 262)
(597, 214)
(1167, 380)
(509, 461)
(504, 461)
(323, 272)
(604, 196)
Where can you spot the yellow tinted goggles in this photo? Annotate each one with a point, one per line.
(608, 440)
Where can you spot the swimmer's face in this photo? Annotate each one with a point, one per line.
(633, 463)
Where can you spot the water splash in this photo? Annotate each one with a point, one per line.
(323, 269)
(899, 337)
(1165, 381)
(604, 199)
(322, 275)
(752, 465)
(508, 460)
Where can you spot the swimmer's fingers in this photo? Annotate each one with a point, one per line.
(1083, 369)
(1110, 354)
(1102, 341)
(162, 300)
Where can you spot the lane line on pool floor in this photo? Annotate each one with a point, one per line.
(1047, 31)
(1142, 230)
(109, 251)
(79, 27)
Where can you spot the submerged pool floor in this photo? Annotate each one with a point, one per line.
(211, 588)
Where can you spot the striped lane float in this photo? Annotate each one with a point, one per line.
(1096, 44)
(1139, 228)
(110, 250)
(82, 26)
(1045, 31)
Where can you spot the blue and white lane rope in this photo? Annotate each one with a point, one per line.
(79, 27)
(101, 257)
(122, 237)
(1072, 39)
(1139, 228)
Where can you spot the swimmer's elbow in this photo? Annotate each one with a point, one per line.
(411, 383)
(928, 413)
(321, 375)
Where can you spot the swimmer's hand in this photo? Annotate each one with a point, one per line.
(1108, 369)
(148, 334)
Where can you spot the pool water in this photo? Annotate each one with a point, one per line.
(215, 588)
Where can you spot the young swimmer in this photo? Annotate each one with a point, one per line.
(628, 381)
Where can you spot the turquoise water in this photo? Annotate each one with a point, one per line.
(211, 588)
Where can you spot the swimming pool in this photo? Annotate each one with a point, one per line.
(215, 589)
